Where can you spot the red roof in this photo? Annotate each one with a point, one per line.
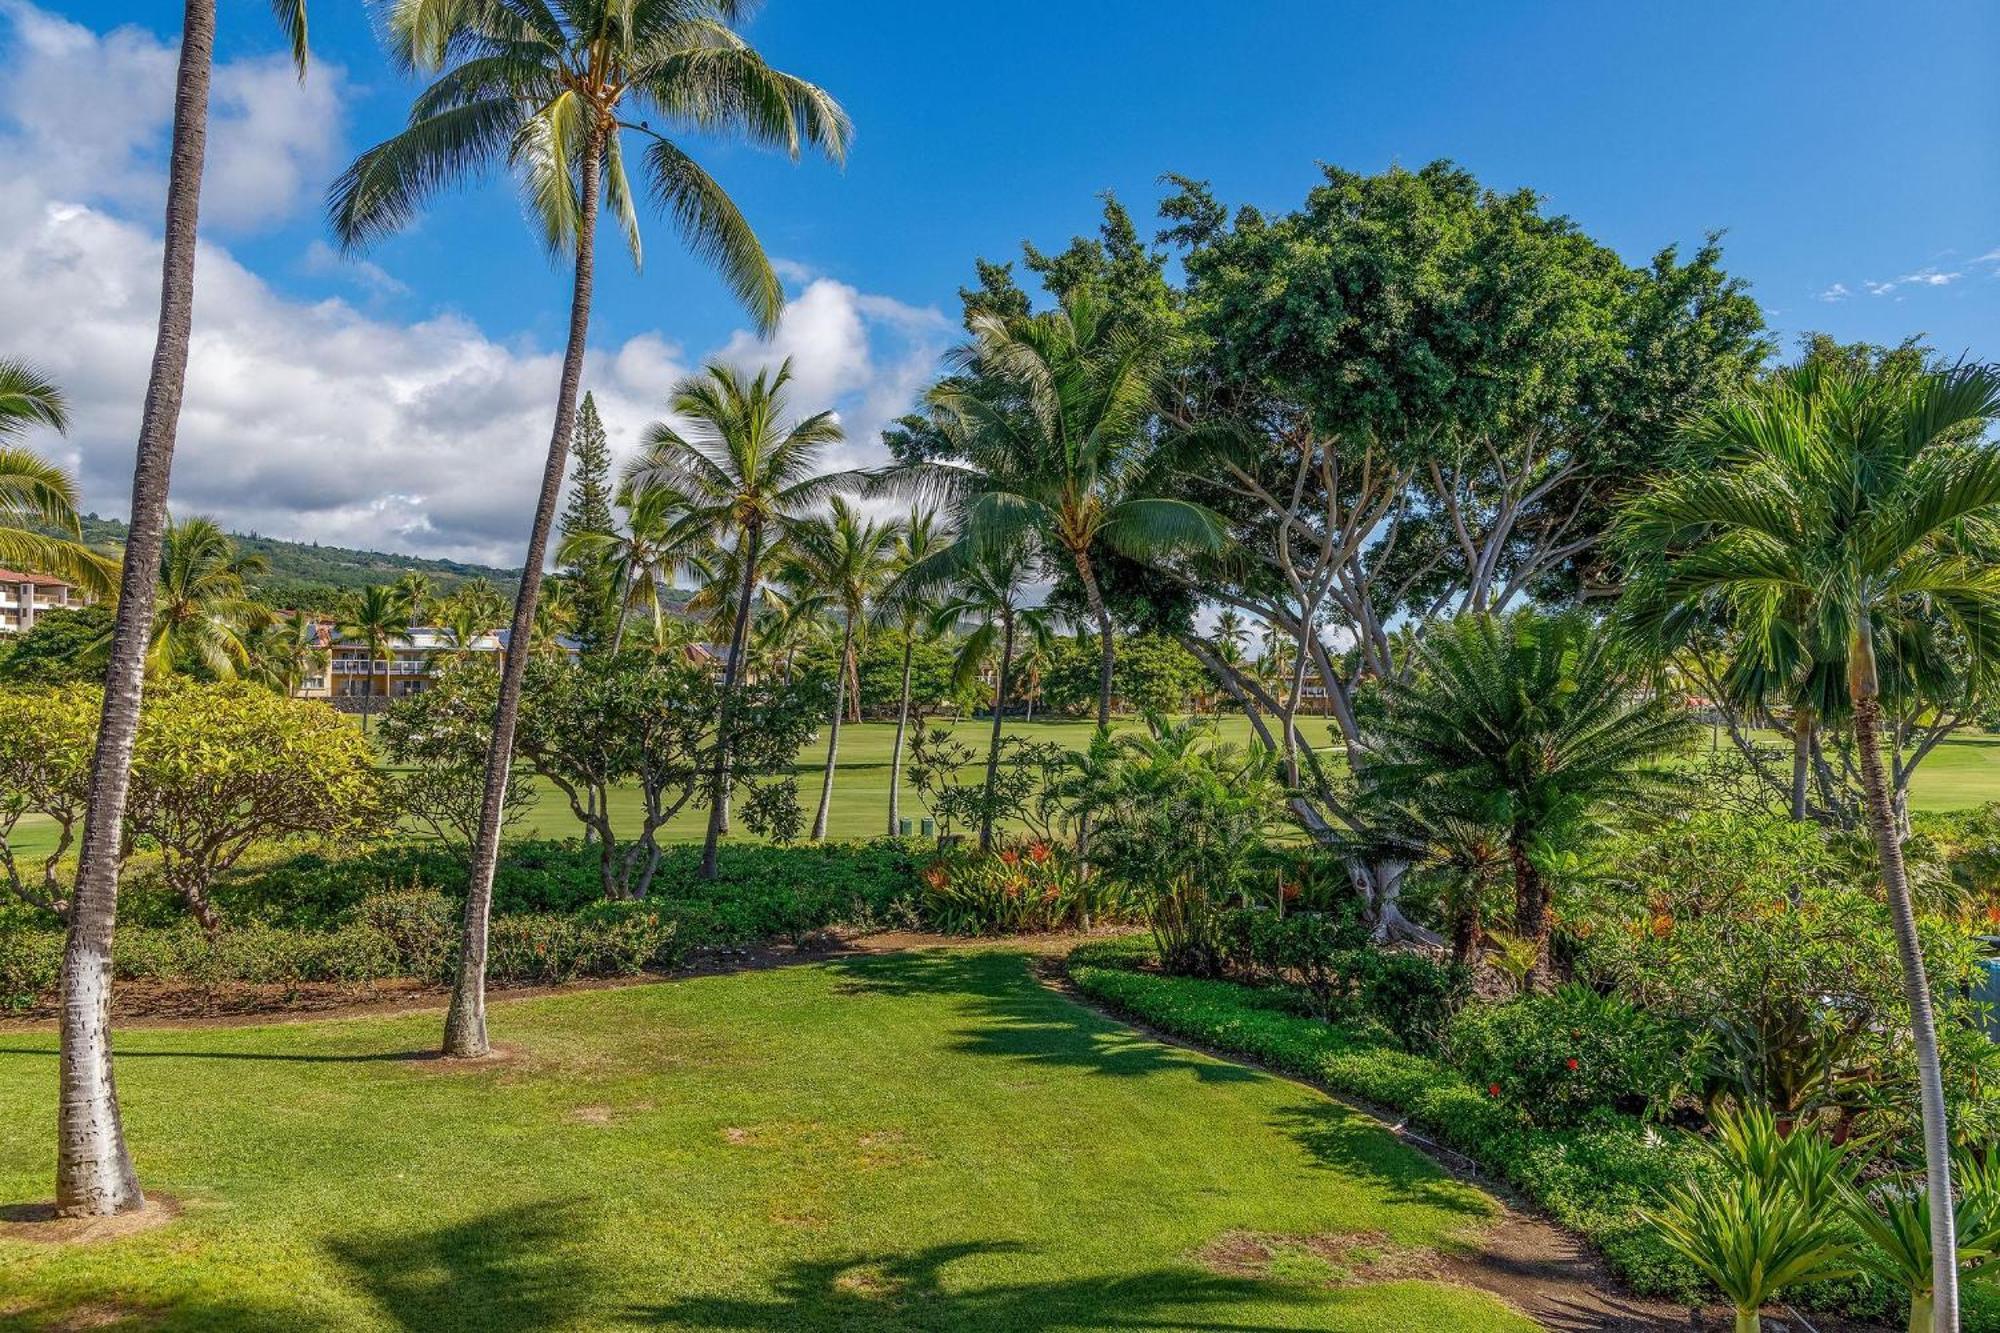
(15, 576)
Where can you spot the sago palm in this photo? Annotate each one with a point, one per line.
(1048, 420)
(842, 562)
(1531, 723)
(1865, 497)
(376, 617)
(743, 462)
(553, 89)
(94, 1175)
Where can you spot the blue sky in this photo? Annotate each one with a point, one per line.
(1848, 151)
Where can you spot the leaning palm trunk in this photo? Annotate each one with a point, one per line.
(993, 744)
(94, 1175)
(465, 1023)
(739, 642)
(896, 751)
(1106, 662)
(833, 736)
(1865, 689)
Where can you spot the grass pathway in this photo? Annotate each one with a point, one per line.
(927, 1140)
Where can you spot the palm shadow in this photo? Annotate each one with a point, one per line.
(511, 1268)
(1343, 1139)
(891, 1292)
(1016, 1018)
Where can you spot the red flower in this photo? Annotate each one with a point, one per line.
(1573, 1065)
(1038, 852)
(1289, 892)
(1008, 856)
(1492, 1089)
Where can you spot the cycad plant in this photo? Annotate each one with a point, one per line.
(1864, 497)
(843, 561)
(1530, 723)
(553, 89)
(753, 472)
(1048, 417)
(94, 1174)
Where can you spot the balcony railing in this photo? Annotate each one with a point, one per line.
(356, 666)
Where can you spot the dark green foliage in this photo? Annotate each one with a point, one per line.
(1340, 976)
(1567, 1055)
(57, 650)
(589, 510)
(1152, 673)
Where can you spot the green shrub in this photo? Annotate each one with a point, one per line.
(1573, 1053)
(421, 925)
(30, 966)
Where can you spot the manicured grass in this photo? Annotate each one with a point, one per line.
(926, 1141)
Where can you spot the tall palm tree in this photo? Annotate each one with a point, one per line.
(471, 613)
(284, 650)
(94, 1175)
(991, 583)
(1049, 417)
(377, 617)
(1230, 634)
(202, 608)
(907, 610)
(1864, 497)
(1531, 723)
(413, 590)
(553, 88)
(843, 561)
(36, 495)
(663, 536)
(754, 474)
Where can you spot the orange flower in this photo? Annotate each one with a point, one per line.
(1289, 892)
(1663, 926)
(1993, 916)
(1010, 857)
(935, 877)
(1038, 852)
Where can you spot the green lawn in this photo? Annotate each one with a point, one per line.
(926, 1141)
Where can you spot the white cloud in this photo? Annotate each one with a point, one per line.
(271, 141)
(319, 420)
(1837, 292)
(323, 261)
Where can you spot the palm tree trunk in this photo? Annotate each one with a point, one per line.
(833, 737)
(1105, 664)
(993, 744)
(1531, 913)
(465, 1023)
(739, 640)
(1802, 731)
(1865, 689)
(902, 724)
(94, 1175)
(618, 632)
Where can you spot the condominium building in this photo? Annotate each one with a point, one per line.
(25, 596)
(353, 674)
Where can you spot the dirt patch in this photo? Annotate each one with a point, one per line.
(38, 1224)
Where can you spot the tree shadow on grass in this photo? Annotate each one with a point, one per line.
(893, 1292)
(1346, 1140)
(1019, 1019)
(512, 1268)
(364, 1058)
(188, 1314)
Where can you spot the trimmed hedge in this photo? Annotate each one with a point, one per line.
(1593, 1179)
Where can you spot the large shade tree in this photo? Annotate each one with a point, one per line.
(741, 461)
(94, 1175)
(1852, 498)
(554, 91)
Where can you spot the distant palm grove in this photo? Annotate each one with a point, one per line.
(1389, 638)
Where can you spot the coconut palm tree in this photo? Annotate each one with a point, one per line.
(907, 610)
(663, 536)
(990, 583)
(754, 474)
(841, 563)
(36, 495)
(202, 607)
(94, 1175)
(471, 613)
(1863, 496)
(377, 617)
(554, 90)
(1048, 418)
(1532, 723)
(284, 650)
(413, 590)
(1230, 635)
(555, 618)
